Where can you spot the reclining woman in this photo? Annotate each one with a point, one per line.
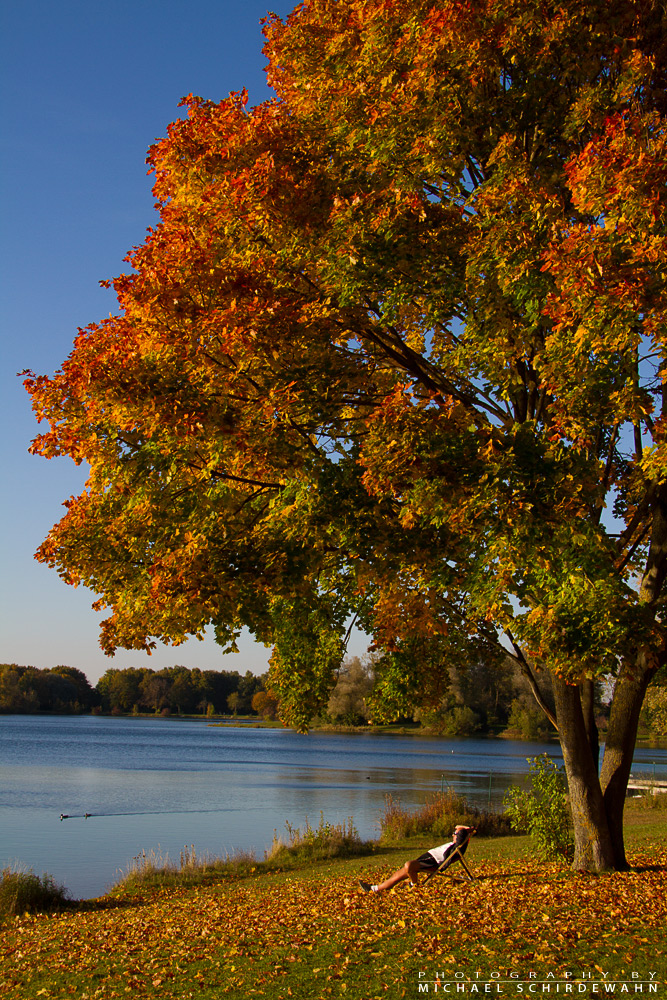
(428, 862)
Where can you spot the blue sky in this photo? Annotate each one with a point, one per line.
(86, 88)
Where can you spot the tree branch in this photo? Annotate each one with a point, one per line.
(519, 658)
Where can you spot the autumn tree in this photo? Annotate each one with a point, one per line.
(395, 351)
(265, 703)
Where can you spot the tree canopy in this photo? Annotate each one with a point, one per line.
(395, 351)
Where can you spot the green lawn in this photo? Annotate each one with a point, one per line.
(521, 928)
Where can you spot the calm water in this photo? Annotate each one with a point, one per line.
(165, 783)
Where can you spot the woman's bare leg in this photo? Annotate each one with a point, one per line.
(409, 870)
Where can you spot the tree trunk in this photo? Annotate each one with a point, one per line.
(593, 848)
(587, 690)
(620, 745)
(631, 686)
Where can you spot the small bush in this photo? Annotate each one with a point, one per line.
(438, 816)
(21, 891)
(542, 810)
(329, 840)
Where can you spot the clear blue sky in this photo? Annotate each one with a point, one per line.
(86, 88)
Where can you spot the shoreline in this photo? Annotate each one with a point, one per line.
(401, 729)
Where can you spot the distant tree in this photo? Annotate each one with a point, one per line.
(175, 689)
(14, 697)
(154, 691)
(248, 686)
(487, 687)
(526, 722)
(54, 692)
(265, 704)
(86, 695)
(183, 695)
(471, 695)
(202, 692)
(121, 689)
(219, 685)
(520, 713)
(655, 716)
(60, 689)
(348, 702)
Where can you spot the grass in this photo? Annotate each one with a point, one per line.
(310, 933)
(329, 840)
(300, 846)
(22, 891)
(155, 869)
(437, 817)
(296, 924)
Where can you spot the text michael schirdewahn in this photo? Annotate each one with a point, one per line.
(510, 983)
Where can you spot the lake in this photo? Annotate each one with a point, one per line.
(162, 784)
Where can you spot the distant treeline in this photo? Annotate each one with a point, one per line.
(475, 698)
(174, 690)
(62, 689)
